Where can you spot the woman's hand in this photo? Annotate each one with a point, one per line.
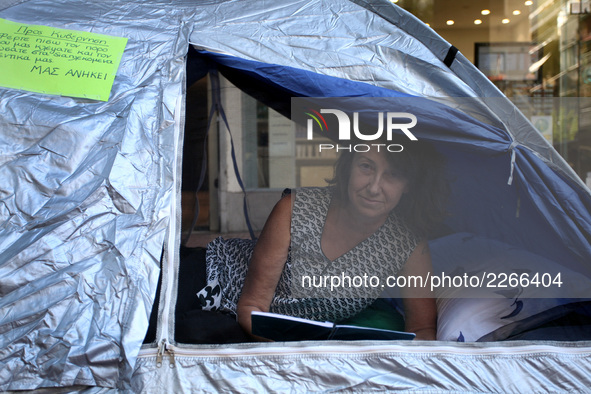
(420, 309)
(266, 266)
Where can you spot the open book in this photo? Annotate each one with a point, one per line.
(287, 328)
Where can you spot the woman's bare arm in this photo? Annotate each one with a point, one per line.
(420, 309)
(266, 265)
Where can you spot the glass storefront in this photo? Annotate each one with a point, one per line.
(282, 157)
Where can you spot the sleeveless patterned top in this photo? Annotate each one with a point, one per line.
(307, 285)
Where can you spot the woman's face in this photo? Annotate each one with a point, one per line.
(375, 188)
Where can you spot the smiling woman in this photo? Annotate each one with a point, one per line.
(423, 203)
(374, 189)
(373, 221)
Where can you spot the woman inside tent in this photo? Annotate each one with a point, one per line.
(372, 221)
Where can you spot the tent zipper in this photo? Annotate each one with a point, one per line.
(340, 348)
(163, 348)
(171, 260)
(166, 300)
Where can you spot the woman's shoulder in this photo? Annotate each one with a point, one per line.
(310, 202)
(302, 197)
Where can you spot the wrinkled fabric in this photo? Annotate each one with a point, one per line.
(85, 202)
(361, 367)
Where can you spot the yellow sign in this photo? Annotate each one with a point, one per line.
(58, 61)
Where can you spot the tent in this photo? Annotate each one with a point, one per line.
(90, 202)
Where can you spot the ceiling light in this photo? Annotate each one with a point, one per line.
(485, 12)
(529, 2)
(450, 22)
(516, 12)
(477, 21)
(505, 21)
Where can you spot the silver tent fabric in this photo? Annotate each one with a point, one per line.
(86, 197)
(89, 197)
(363, 367)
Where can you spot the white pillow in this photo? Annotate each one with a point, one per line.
(469, 314)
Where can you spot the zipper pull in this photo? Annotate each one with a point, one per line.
(160, 354)
(172, 361)
(162, 349)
